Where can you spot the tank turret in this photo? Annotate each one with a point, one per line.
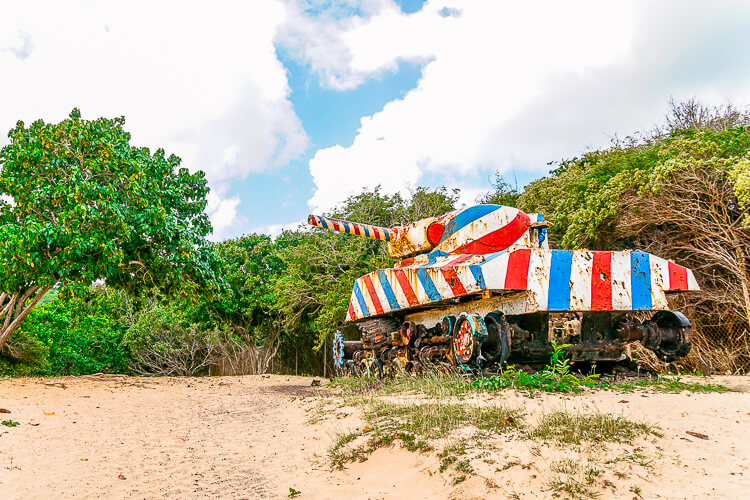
(480, 229)
(478, 286)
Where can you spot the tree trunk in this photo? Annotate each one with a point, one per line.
(15, 311)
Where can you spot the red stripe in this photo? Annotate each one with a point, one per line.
(375, 232)
(449, 273)
(373, 294)
(356, 230)
(601, 282)
(499, 239)
(352, 313)
(335, 225)
(403, 281)
(677, 277)
(518, 269)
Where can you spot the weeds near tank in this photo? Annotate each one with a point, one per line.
(433, 385)
(415, 424)
(556, 377)
(665, 383)
(576, 428)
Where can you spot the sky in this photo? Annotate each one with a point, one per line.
(290, 106)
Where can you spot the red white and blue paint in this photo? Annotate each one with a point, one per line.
(553, 280)
(498, 249)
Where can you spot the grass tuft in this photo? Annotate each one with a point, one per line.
(577, 427)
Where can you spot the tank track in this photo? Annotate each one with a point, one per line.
(474, 343)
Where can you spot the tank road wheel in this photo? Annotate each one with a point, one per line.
(497, 347)
(674, 339)
(469, 332)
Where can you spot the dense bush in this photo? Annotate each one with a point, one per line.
(73, 336)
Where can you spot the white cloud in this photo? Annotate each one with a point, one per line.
(200, 79)
(517, 84)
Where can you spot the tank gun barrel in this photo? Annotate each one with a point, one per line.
(366, 230)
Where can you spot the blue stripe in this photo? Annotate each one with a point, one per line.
(476, 270)
(361, 300)
(640, 281)
(388, 291)
(466, 217)
(323, 222)
(429, 285)
(367, 230)
(559, 280)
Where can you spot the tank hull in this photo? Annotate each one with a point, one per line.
(581, 298)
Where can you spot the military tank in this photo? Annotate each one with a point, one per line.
(479, 287)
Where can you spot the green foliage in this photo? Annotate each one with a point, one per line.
(26, 356)
(248, 266)
(556, 377)
(10, 423)
(582, 195)
(81, 204)
(75, 335)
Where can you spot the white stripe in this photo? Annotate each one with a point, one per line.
(692, 282)
(621, 281)
(380, 293)
(442, 286)
(580, 280)
(419, 290)
(494, 272)
(355, 303)
(467, 278)
(538, 278)
(659, 282)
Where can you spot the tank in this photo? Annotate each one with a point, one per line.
(479, 287)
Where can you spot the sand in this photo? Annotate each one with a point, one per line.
(259, 436)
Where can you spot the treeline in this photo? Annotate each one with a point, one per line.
(680, 192)
(279, 300)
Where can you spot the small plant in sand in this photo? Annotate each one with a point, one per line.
(556, 377)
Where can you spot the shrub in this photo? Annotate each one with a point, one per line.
(71, 336)
(162, 343)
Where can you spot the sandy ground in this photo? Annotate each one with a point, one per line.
(257, 437)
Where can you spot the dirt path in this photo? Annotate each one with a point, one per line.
(252, 437)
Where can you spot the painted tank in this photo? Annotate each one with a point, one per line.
(478, 287)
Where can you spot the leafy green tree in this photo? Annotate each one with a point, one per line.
(78, 203)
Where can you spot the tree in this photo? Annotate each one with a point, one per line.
(79, 204)
(244, 310)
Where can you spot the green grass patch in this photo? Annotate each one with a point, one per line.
(416, 424)
(434, 385)
(576, 428)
